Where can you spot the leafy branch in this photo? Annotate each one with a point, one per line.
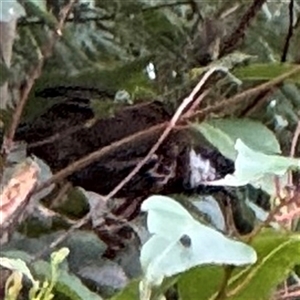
(47, 51)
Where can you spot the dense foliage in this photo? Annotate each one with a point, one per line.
(120, 119)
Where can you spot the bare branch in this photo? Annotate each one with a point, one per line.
(289, 33)
(229, 44)
(36, 72)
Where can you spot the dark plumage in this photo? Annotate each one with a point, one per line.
(168, 171)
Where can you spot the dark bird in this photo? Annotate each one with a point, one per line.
(69, 130)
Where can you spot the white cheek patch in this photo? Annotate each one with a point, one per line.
(200, 169)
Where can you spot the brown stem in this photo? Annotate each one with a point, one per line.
(244, 95)
(295, 140)
(229, 44)
(47, 52)
(289, 33)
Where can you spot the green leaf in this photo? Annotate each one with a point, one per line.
(223, 134)
(17, 254)
(217, 138)
(68, 284)
(13, 286)
(41, 4)
(265, 72)
(258, 169)
(230, 61)
(251, 164)
(130, 292)
(278, 253)
(158, 25)
(179, 242)
(200, 282)
(60, 255)
(38, 8)
(17, 265)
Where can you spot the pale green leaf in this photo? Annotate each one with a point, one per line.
(11, 10)
(168, 252)
(217, 138)
(223, 134)
(251, 164)
(17, 265)
(265, 72)
(156, 206)
(230, 61)
(258, 169)
(13, 286)
(59, 256)
(253, 133)
(67, 284)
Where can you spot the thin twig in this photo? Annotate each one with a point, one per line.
(244, 95)
(8, 141)
(295, 140)
(293, 151)
(47, 52)
(196, 104)
(93, 156)
(62, 192)
(166, 132)
(85, 161)
(289, 33)
(164, 5)
(62, 237)
(222, 290)
(290, 295)
(293, 209)
(270, 218)
(62, 134)
(26, 22)
(288, 217)
(257, 103)
(154, 129)
(241, 28)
